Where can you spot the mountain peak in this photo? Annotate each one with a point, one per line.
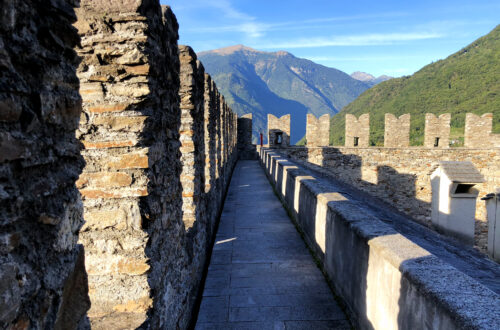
(230, 50)
(283, 53)
(363, 76)
(368, 78)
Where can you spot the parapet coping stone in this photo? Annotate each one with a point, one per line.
(470, 302)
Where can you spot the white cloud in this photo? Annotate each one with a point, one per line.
(352, 40)
(229, 11)
(359, 58)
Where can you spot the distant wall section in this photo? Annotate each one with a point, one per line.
(401, 176)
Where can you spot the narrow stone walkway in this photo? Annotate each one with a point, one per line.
(261, 275)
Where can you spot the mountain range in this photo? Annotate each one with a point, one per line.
(260, 82)
(466, 81)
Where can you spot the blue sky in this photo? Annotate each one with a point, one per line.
(379, 37)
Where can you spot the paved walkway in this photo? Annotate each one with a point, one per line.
(261, 275)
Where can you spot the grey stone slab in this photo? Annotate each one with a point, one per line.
(214, 309)
(268, 300)
(256, 314)
(316, 312)
(278, 281)
(318, 325)
(214, 282)
(270, 325)
(271, 289)
(221, 258)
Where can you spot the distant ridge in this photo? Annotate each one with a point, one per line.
(261, 82)
(368, 78)
(466, 81)
(230, 50)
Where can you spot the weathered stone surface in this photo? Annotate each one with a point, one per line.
(357, 130)
(317, 130)
(478, 132)
(437, 131)
(278, 131)
(397, 131)
(43, 284)
(246, 150)
(149, 220)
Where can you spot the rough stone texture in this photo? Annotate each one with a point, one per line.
(246, 150)
(397, 131)
(478, 132)
(43, 284)
(130, 185)
(389, 274)
(437, 128)
(401, 176)
(192, 135)
(318, 130)
(210, 116)
(197, 220)
(277, 126)
(357, 129)
(149, 217)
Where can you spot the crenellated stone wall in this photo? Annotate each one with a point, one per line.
(43, 284)
(278, 127)
(149, 216)
(130, 185)
(397, 131)
(437, 130)
(478, 131)
(317, 130)
(357, 130)
(401, 176)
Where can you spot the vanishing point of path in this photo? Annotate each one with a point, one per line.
(261, 275)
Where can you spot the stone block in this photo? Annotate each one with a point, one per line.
(103, 108)
(102, 219)
(104, 180)
(115, 264)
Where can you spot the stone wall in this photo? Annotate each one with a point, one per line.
(192, 80)
(401, 176)
(397, 131)
(388, 276)
(210, 117)
(149, 213)
(437, 131)
(43, 284)
(357, 130)
(317, 130)
(246, 150)
(278, 126)
(478, 131)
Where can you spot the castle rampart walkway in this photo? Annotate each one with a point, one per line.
(261, 275)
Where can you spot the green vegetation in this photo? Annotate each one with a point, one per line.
(301, 142)
(467, 81)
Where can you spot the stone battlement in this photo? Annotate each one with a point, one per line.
(155, 144)
(478, 131)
